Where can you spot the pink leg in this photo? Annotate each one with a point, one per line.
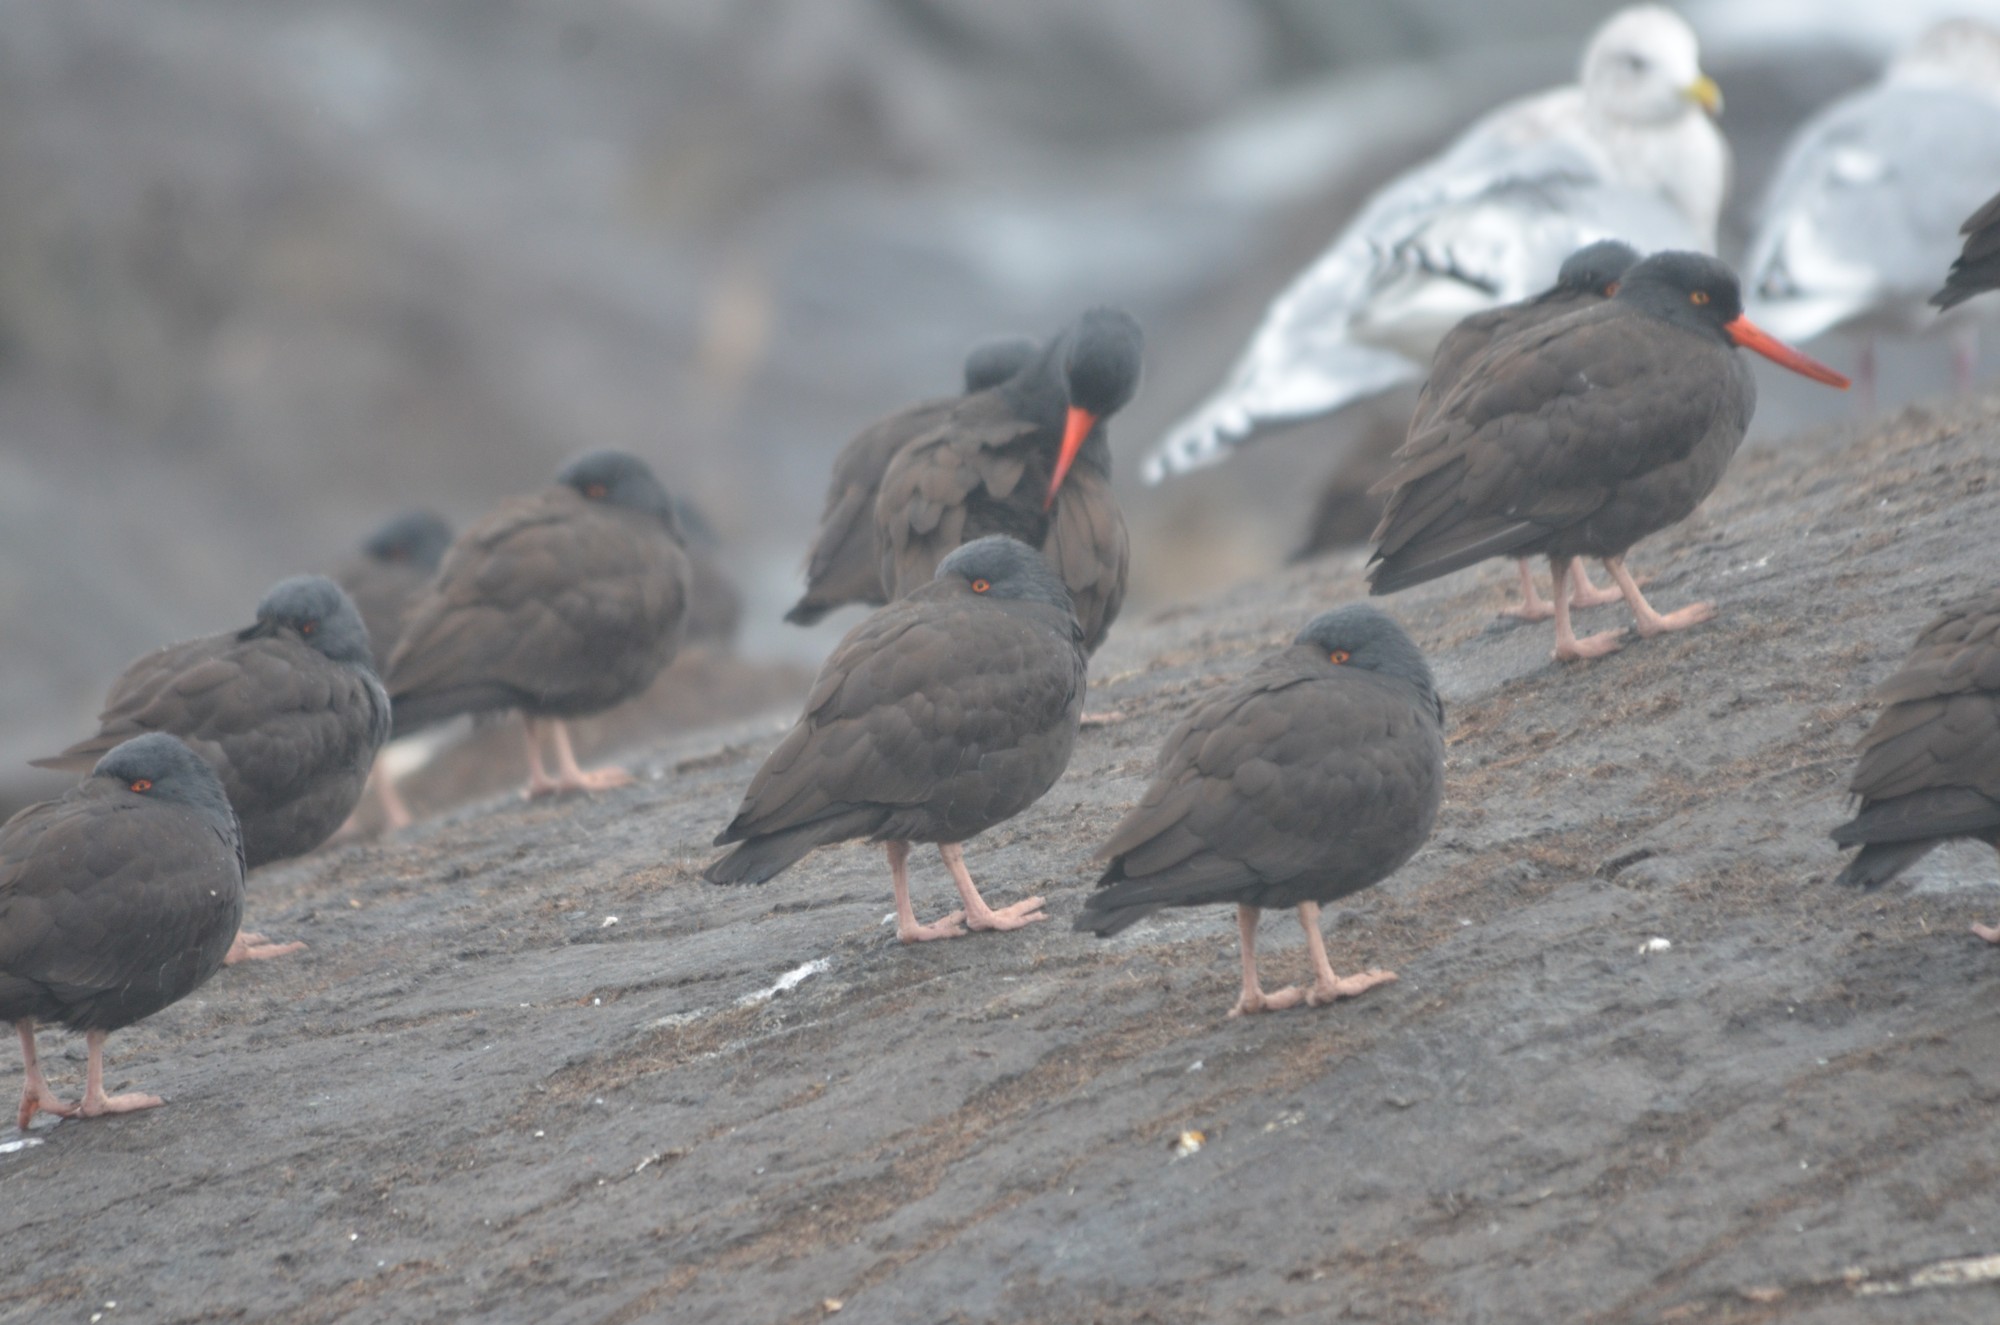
(1651, 623)
(1253, 998)
(539, 781)
(1532, 607)
(571, 778)
(249, 947)
(95, 1102)
(35, 1093)
(1329, 986)
(1987, 932)
(395, 812)
(978, 915)
(1583, 592)
(1965, 357)
(1568, 647)
(907, 928)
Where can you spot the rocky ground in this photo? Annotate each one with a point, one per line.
(533, 1068)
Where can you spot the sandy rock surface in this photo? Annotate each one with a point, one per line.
(479, 1096)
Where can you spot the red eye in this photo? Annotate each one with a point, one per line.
(1611, 289)
(980, 586)
(1698, 298)
(596, 491)
(1339, 656)
(308, 627)
(143, 784)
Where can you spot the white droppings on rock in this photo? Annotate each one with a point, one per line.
(790, 980)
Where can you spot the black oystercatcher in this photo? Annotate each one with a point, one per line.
(1028, 459)
(1588, 276)
(1582, 436)
(558, 605)
(288, 711)
(1930, 766)
(1977, 267)
(944, 713)
(397, 560)
(844, 565)
(116, 899)
(1314, 777)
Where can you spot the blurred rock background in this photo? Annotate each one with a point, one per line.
(273, 269)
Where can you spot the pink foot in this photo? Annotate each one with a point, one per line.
(945, 927)
(1107, 718)
(1017, 916)
(598, 779)
(35, 1101)
(1987, 932)
(103, 1104)
(1259, 1001)
(1323, 993)
(249, 947)
(1532, 607)
(1691, 615)
(1590, 646)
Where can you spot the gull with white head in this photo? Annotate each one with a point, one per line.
(1627, 152)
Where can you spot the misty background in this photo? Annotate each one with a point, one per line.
(273, 270)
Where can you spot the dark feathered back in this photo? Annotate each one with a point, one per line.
(1315, 776)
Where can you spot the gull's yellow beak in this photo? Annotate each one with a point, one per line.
(1704, 93)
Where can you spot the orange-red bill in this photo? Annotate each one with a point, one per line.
(1075, 428)
(1752, 337)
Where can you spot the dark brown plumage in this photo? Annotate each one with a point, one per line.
(944, 713)
(1314, 777)
(844, 565)
(1027, 459)
(1977, 268)
(1930, 766)
(395, 563)
(1587, 277)
(556, 605)
(1582, 436)
(116, 899)
(288, 711)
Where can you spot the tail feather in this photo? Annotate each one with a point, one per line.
(1120, 902)
(765, 856)
(1929, 815)
(412, 712)
(1417, 563)
(1876, 864)
(79, 758)
(807, 612)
